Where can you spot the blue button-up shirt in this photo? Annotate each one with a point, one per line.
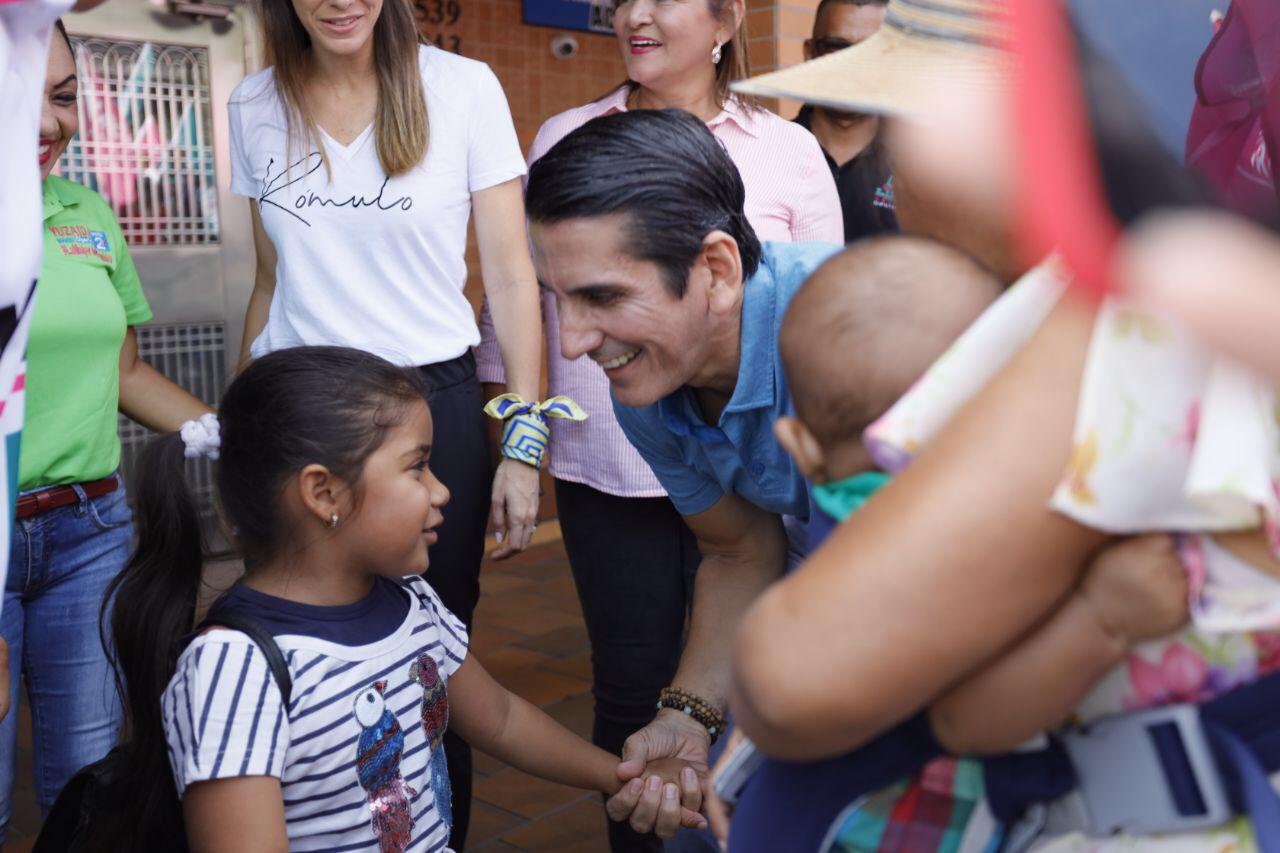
(698, 463)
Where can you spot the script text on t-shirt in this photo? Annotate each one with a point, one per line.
(271, 185)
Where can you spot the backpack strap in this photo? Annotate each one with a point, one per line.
(237, 620)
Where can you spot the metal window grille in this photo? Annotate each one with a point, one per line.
(145, 140)
(194, 356)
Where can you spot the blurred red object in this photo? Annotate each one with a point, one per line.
(1060, 200)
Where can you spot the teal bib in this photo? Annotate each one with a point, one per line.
(839, 500)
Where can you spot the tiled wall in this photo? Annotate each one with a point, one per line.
(538, 85)
(776, 34)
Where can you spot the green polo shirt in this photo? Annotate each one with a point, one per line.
(88, 295)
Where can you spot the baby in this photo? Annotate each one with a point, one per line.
(861, 331)
(858, 334)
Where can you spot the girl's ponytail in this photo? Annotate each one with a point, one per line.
(151, 605)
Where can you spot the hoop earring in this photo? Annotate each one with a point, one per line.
(715, 54)
(333, 521)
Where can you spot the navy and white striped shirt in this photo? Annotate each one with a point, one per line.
(357, 751)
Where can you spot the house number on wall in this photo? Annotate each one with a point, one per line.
(431, 14)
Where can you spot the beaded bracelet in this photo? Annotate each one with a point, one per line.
(702, 711)
(525, 433)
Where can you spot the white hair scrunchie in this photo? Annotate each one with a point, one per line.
(202, 437)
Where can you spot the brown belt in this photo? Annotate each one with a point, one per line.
(44, 500)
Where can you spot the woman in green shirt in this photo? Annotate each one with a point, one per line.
(73, 530)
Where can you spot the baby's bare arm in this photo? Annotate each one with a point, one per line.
(1134, 590)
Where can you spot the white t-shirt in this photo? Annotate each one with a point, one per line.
(358, 752)
(368, 261)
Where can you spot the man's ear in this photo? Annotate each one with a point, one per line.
(724, 264)
(796, 439)
(321, 493)
(808, 49)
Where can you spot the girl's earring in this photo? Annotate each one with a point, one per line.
(333, 521)
(715, 54)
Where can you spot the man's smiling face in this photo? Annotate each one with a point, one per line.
(619, 311)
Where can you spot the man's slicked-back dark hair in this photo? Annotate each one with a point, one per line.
(664, 170)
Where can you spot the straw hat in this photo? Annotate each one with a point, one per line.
(924, 46)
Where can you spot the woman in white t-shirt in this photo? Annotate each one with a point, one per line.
(364, 153)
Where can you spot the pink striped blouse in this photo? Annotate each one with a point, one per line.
(790, 197)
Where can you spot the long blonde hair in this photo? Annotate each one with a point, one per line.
(400, 124)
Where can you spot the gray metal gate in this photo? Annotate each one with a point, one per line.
(145, 142)
(192, 355)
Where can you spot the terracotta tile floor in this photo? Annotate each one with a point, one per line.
(530, 636)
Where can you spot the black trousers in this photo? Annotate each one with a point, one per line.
(634, 562)
(463, 465)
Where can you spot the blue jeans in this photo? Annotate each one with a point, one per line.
(60, 563)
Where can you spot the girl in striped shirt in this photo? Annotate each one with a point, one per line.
(324, 481)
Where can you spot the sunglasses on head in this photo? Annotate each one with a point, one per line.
(823, 46)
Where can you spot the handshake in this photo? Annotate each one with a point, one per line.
(665, 784)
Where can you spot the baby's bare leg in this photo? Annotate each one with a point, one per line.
(939, 572)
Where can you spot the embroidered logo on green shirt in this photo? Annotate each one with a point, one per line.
(79, 240)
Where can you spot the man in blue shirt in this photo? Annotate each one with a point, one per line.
(638, 228)
(700, 459)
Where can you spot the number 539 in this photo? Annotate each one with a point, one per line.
(437, 11)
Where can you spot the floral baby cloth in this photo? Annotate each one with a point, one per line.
(1167, 437)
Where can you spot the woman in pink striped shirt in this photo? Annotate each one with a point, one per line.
(633, 558)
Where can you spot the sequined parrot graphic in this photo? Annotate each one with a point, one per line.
(378, 751)
(435, 719)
